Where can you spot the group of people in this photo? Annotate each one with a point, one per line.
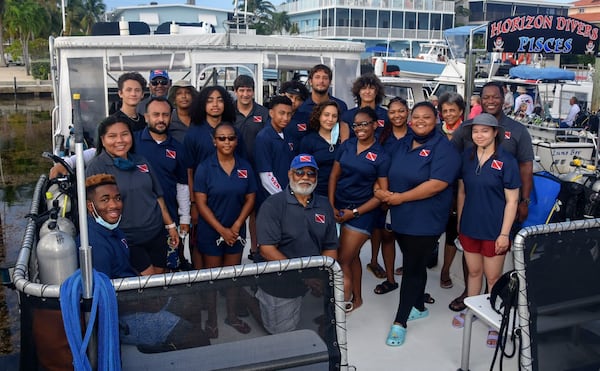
(204, 163)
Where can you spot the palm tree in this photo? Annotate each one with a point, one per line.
(281, 21)
(92, 13)
(263, 11)
(24, 19)
(294, 30)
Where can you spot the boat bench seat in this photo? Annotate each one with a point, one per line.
(300, 349)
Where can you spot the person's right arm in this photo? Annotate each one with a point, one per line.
(460, 203)
(270, 252)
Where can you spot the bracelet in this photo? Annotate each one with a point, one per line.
(170, 226)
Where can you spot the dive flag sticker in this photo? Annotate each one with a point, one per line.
(301, 127)
(143, 168)
(320, 218)
(425, 152)
(371, 156)
(257, 118)
(305, 159)
(497, 164)
(242, 173)
(381, 123)
(507, 135)
(171, 154)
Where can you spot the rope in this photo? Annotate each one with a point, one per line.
(104, 306)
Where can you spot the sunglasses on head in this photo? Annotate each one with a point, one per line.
(159, 82)
(223, 138)
(308, 173)
(363, 124)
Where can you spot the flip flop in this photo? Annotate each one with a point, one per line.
(459, 320)
(376, 269)
(457, 305)
(492, 338)
(396, 336)
(417, 314)
(428, 299)
(240, 326)
(385, 287)
(446, 283)
(399, 271)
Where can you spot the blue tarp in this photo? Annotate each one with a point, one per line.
(464, 30)
(379, 49)
(547, 73)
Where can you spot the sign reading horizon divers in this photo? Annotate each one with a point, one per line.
(549, 34)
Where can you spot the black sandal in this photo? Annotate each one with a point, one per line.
(429, 299)
(385, 287)
(457, 305)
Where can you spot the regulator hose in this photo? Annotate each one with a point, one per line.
(104, 307)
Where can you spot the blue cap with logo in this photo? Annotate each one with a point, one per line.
(159, 73)
(303, 160)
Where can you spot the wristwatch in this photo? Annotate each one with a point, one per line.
(527, 201)
(355, 213)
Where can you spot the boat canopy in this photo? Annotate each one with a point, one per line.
(544, 74)
(464, 31)
(457, 38)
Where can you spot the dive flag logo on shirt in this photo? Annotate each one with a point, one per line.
(371, 156)
(507, 135)
(242, 173)
(291, 145)
(301, 127)
(124, 242)
(497, 164)
(143, 168)
(320, 218)
(425, 152)
(256, 118)
(171, 154)
(381, 123)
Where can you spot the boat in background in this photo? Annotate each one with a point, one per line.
(429, 63)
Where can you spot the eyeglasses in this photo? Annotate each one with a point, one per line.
(364, 124)
(223, 138)
(159, 82)
(308, 173)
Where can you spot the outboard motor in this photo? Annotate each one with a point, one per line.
(56, 255)
(57, 222)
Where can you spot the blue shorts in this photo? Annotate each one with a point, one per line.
(153, 251)
(364, 223)
(212, 249)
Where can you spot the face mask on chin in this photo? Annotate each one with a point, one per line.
(102, 222)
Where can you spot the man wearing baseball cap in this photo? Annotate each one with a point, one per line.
(291, 224)
(159, 84)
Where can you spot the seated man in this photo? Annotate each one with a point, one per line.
(291, 224)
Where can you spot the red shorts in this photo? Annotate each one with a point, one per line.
(475, 246)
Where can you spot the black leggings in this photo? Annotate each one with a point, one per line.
(415, 253)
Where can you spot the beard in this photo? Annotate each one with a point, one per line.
(157, 131)
(302, 187)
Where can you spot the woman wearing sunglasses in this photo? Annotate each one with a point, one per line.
(359, 164)
(323, 140)
(224, 191)
(419, 197)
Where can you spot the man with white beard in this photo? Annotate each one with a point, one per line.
(291, 224)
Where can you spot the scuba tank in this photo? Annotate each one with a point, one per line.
(55, 221)
(56, 255)
(57, 197)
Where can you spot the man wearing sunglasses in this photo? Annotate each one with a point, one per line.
(293, 223)
(159, 84)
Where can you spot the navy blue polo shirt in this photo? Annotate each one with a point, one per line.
(483, 211)
(250, 125)
(382, 119)
(359, 172)
(168, 162)
(110, 252)
(225, 195)
(140, 189)
(308, 105)
(436, 159)
(324, 154)
(297, 129)
(177, 128)
(391, 144)
(273, 154)
(199, 146)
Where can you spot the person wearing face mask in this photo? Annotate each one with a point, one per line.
(110, 252)
(282, 224)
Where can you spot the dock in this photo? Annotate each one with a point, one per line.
(15, 82)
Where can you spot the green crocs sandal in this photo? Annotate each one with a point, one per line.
(417, 314)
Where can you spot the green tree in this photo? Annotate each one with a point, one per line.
(24, 19)
(92, 13)
(2, 58)
(263, 12)
(280, 22)
(294, 30)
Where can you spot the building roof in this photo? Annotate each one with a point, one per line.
(587, 17)
(582, 3)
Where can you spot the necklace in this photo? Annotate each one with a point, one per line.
(480, 162)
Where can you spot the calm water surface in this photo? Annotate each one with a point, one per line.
(25, 131)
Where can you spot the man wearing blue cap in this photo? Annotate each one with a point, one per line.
(291, 224)
(159, 84)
